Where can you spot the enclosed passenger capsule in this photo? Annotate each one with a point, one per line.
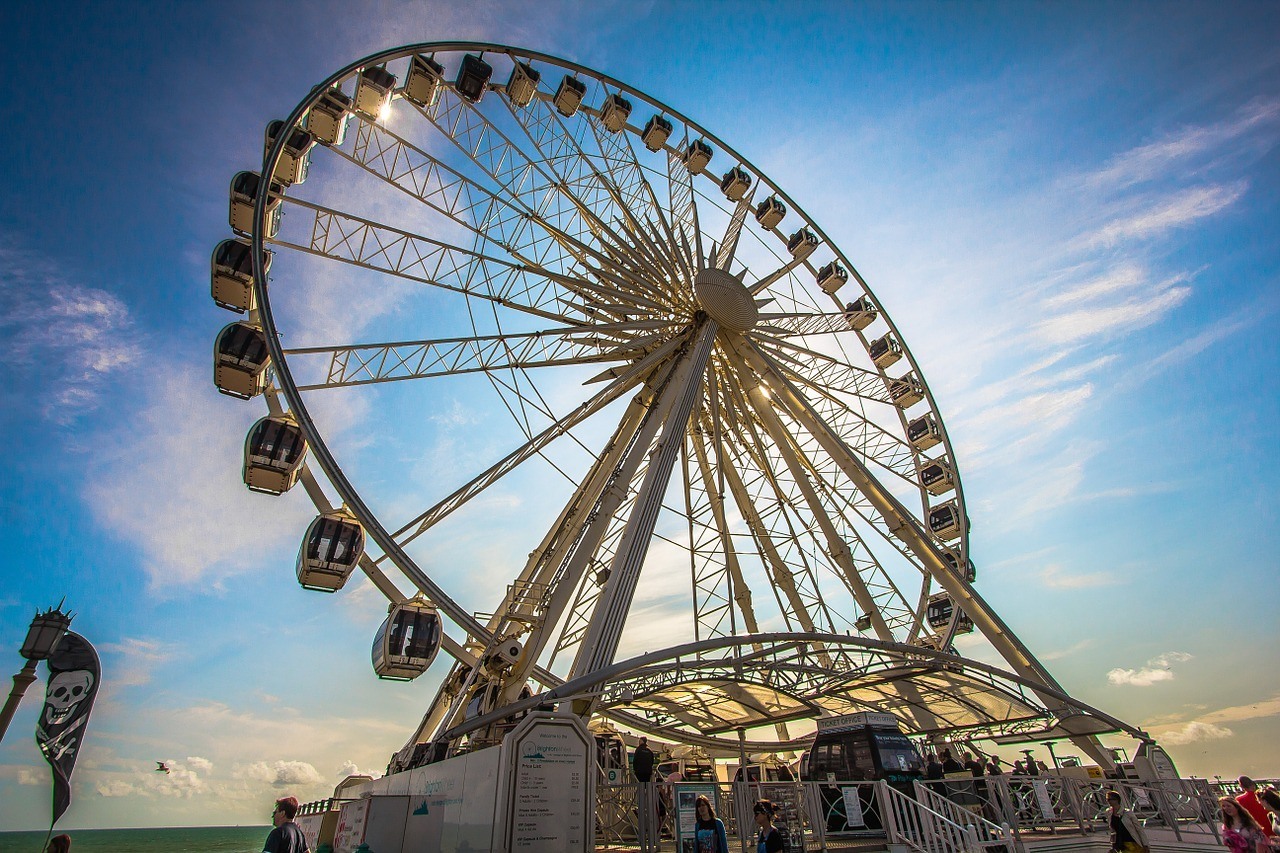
(939, 611)
(569, 96)
(231, 274)
(327, 119)
(240, 361)
(373, 90)
(923, 432)
(522, 85)
(802, 243)
(656, 132)
(245, 187)
(944, 521)
(422, 84)
(938, 477)
(735, 183)
(832, 277)
(330, 550)
(770, 211)
(408, 640)
(295, 157)
(906, 392)
(273, 454)
(860, 313)
(952, 559)
(696, 156)
(885, 350)
(614, 112)
(473, 77)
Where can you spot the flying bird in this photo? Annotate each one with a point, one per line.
(161, 767)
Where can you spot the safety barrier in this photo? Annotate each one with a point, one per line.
(948, 816)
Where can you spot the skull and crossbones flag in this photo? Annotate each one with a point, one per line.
(73, 683)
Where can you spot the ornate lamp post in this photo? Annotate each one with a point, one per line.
(46, 631)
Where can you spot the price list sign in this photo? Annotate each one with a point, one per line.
(549, 808)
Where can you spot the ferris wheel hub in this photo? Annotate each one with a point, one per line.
(726, 299)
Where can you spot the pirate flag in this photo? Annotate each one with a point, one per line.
(68, 699)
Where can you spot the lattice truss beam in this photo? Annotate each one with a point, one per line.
(964, 700)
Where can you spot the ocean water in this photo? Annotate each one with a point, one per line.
(198, 839)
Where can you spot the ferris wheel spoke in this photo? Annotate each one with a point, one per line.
(363, 364)
(836, 544)
(768, 506)
(596, 197)
(637, 196)
(371, 245)
(729, 242)
(684, 214)
(874, 442)
(465, 202)
(782, 326)
(817, 369)
(719, 586)
(769, 279)
(614, 391)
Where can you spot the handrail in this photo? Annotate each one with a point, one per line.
(922, 829)
(988, 831)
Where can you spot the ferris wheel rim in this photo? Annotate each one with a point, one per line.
(290, 390)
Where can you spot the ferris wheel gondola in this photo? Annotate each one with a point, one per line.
(331, 550)
(408, 640)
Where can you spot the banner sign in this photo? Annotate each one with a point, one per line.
(74, 674)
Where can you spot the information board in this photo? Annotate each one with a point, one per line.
(549, 807)
(785, 797)
(686, 798)
(351, 824)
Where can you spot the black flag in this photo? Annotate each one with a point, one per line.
(73, 683)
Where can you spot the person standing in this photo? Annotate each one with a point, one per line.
(949, 764)
(973, 765)
(768, 839)
(1248, 800)
(642, 762)
(932, 767)
(1240, 832)
(1127, 834)
(708, 830)
(286, 837)
(994, 768)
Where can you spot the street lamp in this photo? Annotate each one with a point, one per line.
(46, 632)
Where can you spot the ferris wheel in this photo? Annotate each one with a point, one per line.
(577, 371)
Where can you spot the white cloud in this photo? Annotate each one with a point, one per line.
(172, 485)
(350, 768)
(1195, 731)
(1156, 670)
(281, 773)
(1054, 578)
(201, 765)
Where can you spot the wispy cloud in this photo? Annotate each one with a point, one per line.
(1164, 213)
(1156, 670)
(1055, 578)
(1195, 731)
(138, 659)
(1155, 160)
(65, 337)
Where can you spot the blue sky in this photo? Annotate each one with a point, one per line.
(1070, 211)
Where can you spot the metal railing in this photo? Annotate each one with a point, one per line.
(961, 805)
(913, 824)
(948, 816)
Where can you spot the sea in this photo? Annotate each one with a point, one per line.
(196, 839)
